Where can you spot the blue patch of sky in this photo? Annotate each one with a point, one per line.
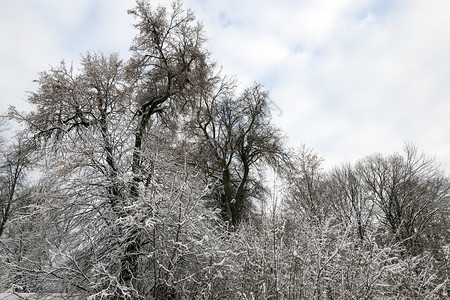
(269, 79)
(380, 9)
(298, 47)
(224, 20)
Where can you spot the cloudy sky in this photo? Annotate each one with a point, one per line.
(348, 78)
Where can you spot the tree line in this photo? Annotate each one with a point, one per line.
(146, 179)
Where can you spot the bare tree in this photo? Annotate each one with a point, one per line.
(169, 64)
(351, 202)
(121, 211)
(307, 184)
(14, 161)
(409, 189)
(94, 127)
(236, 139)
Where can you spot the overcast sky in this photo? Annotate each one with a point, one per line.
(349, 78)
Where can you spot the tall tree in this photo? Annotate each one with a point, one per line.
(169, 65)
(236, 139)
(95, 126)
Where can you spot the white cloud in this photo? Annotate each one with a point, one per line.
(356, 78)
(28, 47)
(351, 77)
(38, 34)
(392, 74)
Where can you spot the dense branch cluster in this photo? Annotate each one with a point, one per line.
(145, 179)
